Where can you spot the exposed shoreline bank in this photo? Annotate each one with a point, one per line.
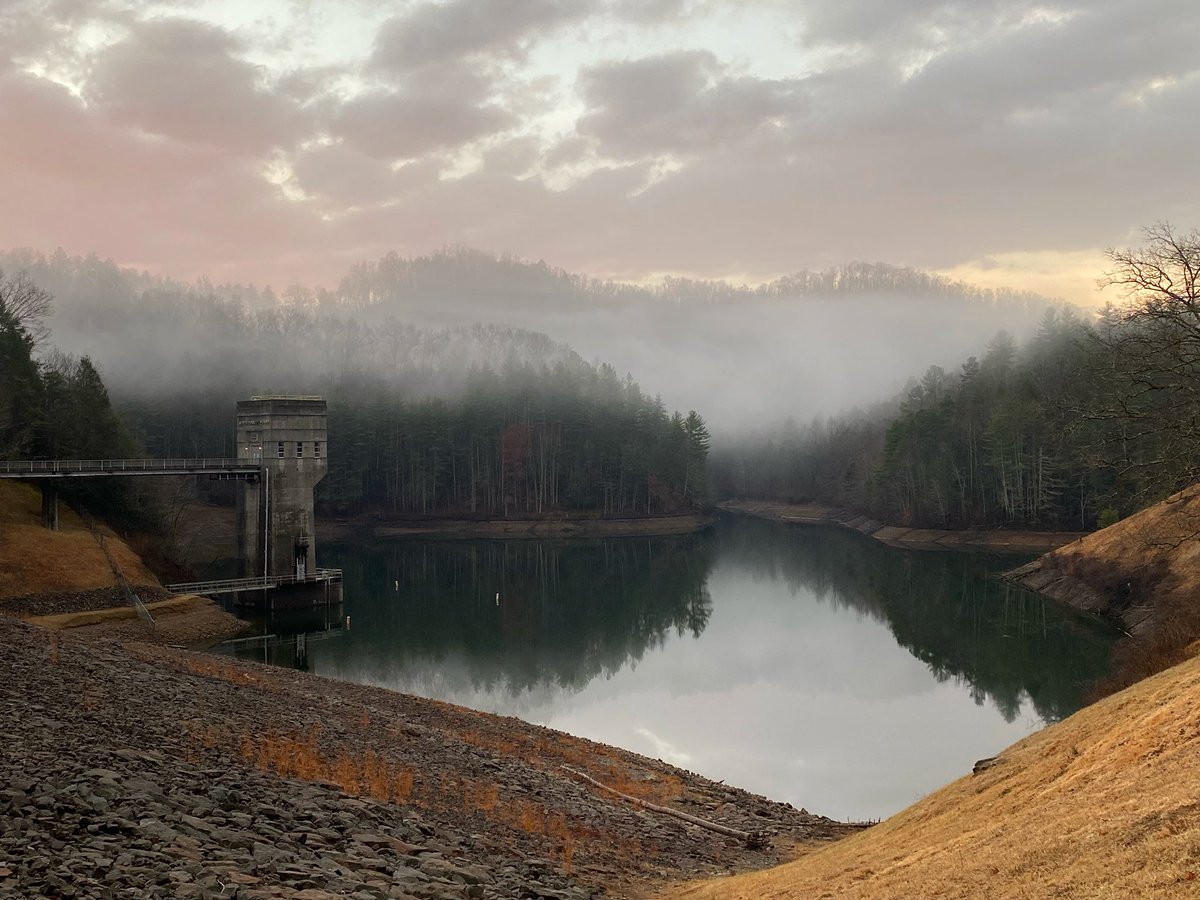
(376, 528)
(290, 784)
(997, 541)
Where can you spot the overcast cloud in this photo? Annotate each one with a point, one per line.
(1005, 142)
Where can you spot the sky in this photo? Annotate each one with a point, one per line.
(1003, 142)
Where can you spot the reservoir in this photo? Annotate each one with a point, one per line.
(807, 663)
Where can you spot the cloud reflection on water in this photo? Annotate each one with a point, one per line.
(810, 665)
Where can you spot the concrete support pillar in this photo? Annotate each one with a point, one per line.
(49, 504)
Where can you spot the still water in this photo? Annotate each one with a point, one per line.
(810, 664)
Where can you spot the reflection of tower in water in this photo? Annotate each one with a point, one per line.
(301, 660)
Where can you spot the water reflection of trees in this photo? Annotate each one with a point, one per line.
(569, 611)
(998, 640)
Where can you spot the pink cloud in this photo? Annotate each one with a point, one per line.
(183, 80)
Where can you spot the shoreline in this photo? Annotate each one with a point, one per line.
(225, 773)
(996, 540)
(293, 784)
(367, 528)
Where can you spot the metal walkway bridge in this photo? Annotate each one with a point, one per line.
(48, 473)
(261, 583)
(96, 468)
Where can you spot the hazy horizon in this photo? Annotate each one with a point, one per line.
(817, 344)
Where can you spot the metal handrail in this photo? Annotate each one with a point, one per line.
(123, 465)
(228, 585)
(280, 640)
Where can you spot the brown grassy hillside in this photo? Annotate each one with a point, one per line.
(63, 580)
(34, 560)
(1143, 571)
(1102, 805)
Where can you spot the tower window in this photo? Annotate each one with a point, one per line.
(316, 449)
(280, 451)
(299, 449)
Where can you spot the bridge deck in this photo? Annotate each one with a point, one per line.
(95, 468)
(260, 583)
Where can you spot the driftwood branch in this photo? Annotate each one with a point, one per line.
(755, 840)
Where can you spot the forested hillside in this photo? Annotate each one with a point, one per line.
(479, 420)
(56, 406)
(1076, 423)
(1084, 423)
(808, 343)
(520, 441)
(443, 401)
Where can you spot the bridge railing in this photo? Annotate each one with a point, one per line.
(258, 583)
(56, 466)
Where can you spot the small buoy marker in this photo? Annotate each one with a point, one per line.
(347, 623)
(497, 598)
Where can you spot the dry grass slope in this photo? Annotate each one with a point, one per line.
(1145, 571)
(34, 560)
(69, 562)
(1102, 805)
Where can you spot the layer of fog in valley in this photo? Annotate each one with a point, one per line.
(810, 344)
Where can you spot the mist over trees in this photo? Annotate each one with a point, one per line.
(443, 400)
(520, 442)
(805, 344)
(1085, 422)
(441, 403)
(481, 420)
(56, 406)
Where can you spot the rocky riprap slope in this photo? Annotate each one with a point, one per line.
(131, 770)
(55, 603)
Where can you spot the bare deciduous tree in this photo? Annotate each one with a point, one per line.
(26, 305)
(1161, 281)
(1152, 341)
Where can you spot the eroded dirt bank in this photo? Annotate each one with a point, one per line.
(1143, 573)
(922, 538)
(130, 769)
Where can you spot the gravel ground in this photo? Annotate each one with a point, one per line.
(60, 602)
(134, 770)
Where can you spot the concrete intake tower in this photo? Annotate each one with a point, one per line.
(288, 436)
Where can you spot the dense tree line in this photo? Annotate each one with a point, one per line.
(406, 403)
(1006, 440)
(54, 406)
(542, 431)
(1085, 423)
(521, 441)
(478, 420)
